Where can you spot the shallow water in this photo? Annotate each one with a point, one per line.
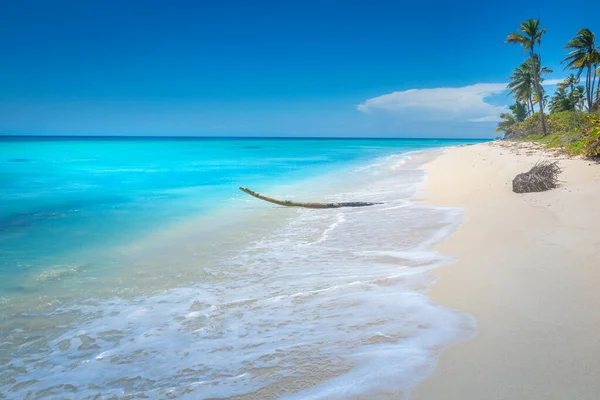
(146, 293)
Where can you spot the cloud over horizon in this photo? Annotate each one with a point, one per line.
(464, 104)
(459, 104)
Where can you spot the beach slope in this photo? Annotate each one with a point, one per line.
(527, 268)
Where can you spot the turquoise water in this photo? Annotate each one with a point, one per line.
(136, 268)
(64, 194)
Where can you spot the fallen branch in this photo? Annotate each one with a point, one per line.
(289, 203)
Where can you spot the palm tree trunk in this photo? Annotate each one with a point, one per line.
(536, 83)
(593, 85)
(589, 88)
(598, 95)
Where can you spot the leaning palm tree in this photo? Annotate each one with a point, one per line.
(518, 113)
(529, 34)
(507, 124)
(584, 54)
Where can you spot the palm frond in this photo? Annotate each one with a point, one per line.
(519, 39)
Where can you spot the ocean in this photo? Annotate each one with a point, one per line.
(134, 267)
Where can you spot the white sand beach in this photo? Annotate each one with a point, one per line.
(527, 268)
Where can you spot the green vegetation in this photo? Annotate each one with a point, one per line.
(591, 142)
(573, 121)
(569, 96)
(567, 131)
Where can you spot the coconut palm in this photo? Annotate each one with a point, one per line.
(565, 101)
(583, 54)
(569, 82)
(521, 83)
(560, 101)
(569, 96)
(528, 35)
(507, 124)
(519, 111)
(509, 120)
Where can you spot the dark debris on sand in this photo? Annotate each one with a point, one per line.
(543, 176)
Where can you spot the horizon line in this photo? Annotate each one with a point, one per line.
(2, 136)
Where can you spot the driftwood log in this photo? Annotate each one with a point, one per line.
(543, 176)
(289, 203)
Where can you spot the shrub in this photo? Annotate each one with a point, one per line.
(591, 143)
(570, 123)
(572, 131)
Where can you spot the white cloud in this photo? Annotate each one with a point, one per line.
(461, 104)
(552, 82)
(488, 118)
(465, 103)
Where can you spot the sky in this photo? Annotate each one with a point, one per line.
(268, 68)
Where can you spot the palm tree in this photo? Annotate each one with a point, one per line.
(563, 101)
(560, 101)
(521, 83)
(575, 92)
(569, 96)
(521, 87)
(584, 54)
(507, 125)
(518, 113)
(578, 97)
(569, 82)
(529, 34)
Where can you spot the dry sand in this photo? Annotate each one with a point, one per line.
(528, 269)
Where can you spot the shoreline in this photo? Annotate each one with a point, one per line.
(525, 266)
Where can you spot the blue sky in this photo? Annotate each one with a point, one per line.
(267, 68)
